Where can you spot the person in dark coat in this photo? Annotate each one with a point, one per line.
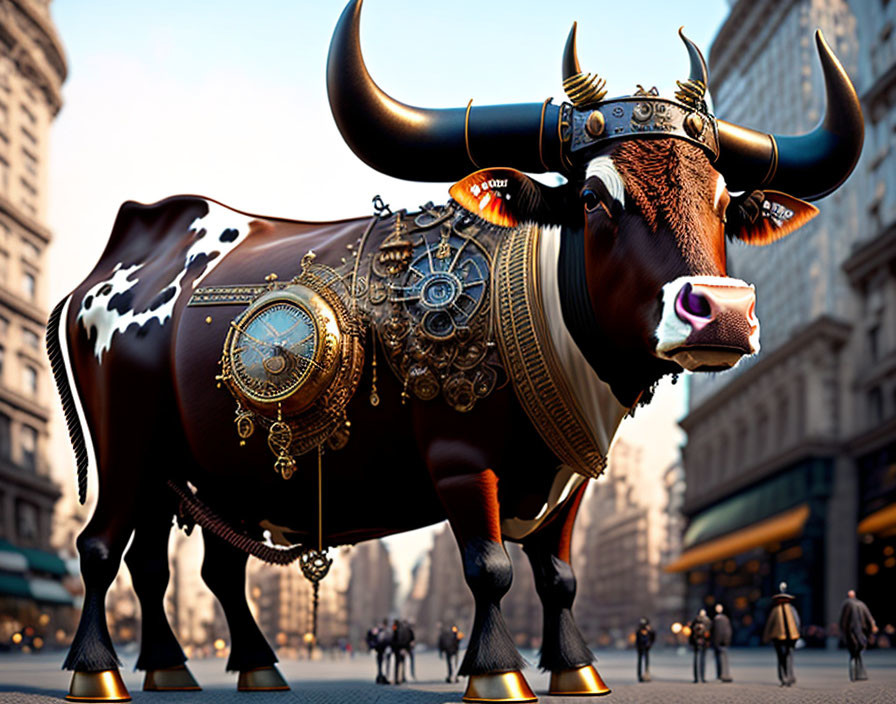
(783, 630)
(449, 644)
(644, 637)
(856, 625)
(720, 637)
(379, 638)
(402, 642)
(699, 640)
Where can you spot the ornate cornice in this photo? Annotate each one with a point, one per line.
(35, 47)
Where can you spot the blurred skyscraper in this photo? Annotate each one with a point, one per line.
(790, 454)
(370, 596)
(626, 523)
(32, 70)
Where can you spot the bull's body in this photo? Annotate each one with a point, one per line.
(377, 485)
(627, 281)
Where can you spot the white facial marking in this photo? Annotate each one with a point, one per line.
(720, 189)
(672, 332)
(602, 167)
(108, 322)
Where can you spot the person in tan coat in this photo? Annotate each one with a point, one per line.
(783, 629)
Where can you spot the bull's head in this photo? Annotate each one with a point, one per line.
(654, 188)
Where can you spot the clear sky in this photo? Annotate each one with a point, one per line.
(227, 99)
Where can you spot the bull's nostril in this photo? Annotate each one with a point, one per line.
(693, 302)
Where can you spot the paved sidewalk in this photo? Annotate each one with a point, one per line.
(821, 678)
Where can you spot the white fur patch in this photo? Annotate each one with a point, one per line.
(673, 332)
(720, 189)
(108, 322)
(602, 167)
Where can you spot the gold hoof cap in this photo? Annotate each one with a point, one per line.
(170, 679)
(583, 681)
(104, 686)
(499, 687)
(262, 679)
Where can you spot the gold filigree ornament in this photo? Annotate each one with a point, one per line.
(292, 360)
(691, 92)
(585, 89)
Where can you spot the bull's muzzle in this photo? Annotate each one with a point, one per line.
(708, 322)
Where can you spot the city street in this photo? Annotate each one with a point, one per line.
(821, 677)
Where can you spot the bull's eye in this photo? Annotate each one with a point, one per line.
(590, 199)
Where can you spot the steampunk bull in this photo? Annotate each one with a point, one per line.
(515, 327)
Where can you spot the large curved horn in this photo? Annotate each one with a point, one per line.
(425, 144)
(583, 89)
(693, 91)
(809, 166)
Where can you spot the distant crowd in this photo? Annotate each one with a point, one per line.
(782, 630)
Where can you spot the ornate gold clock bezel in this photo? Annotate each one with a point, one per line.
(314, 379)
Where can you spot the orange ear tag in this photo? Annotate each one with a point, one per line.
(492, 194)
(781, 214)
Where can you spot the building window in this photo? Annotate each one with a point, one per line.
(27, 522)
(29, 285)
(29, 448)
(30, 162)
(28, 114)
(875, 405)
(5, 437)
(30, 338)
(29, 137)
(30, 251)
(29, 377)
(874, 343)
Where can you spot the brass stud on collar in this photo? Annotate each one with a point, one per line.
(693, 125)
(595, 124)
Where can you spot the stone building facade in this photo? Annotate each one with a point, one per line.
(790, 456)
(370, 596)
(625, 524)
(32, 70)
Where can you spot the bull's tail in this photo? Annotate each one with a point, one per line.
(60, 363)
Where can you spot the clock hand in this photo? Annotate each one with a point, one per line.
(270, 327)
(251, 337)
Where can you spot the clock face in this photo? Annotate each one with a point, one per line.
(273, 350)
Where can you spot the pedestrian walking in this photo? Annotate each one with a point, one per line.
(402, 640)
(699, 640)
(856, 625)
(720, 637)
(644, 637)
(783, 629)
(449, 645)
(379, 638)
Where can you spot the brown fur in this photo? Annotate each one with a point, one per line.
(672, 184)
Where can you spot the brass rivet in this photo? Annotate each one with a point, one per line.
(693, 124)
(595, 124)
(208, 320)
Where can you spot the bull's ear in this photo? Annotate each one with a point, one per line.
(503, 196)
(765, 216)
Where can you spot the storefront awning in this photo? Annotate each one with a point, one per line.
(879, 521)
(782, 526)
(49, 591)
(14, 585)
(38, 560)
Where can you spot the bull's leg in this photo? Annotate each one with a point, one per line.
(224, 571)
(147, 559)
(470, 497)
(563, 650)
(100, 545)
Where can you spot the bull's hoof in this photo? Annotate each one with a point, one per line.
(499, 687)
(582, 681)
(105, 686)
(170, 679)
(262, 679)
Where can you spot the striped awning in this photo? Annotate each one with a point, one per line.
(782, 526)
